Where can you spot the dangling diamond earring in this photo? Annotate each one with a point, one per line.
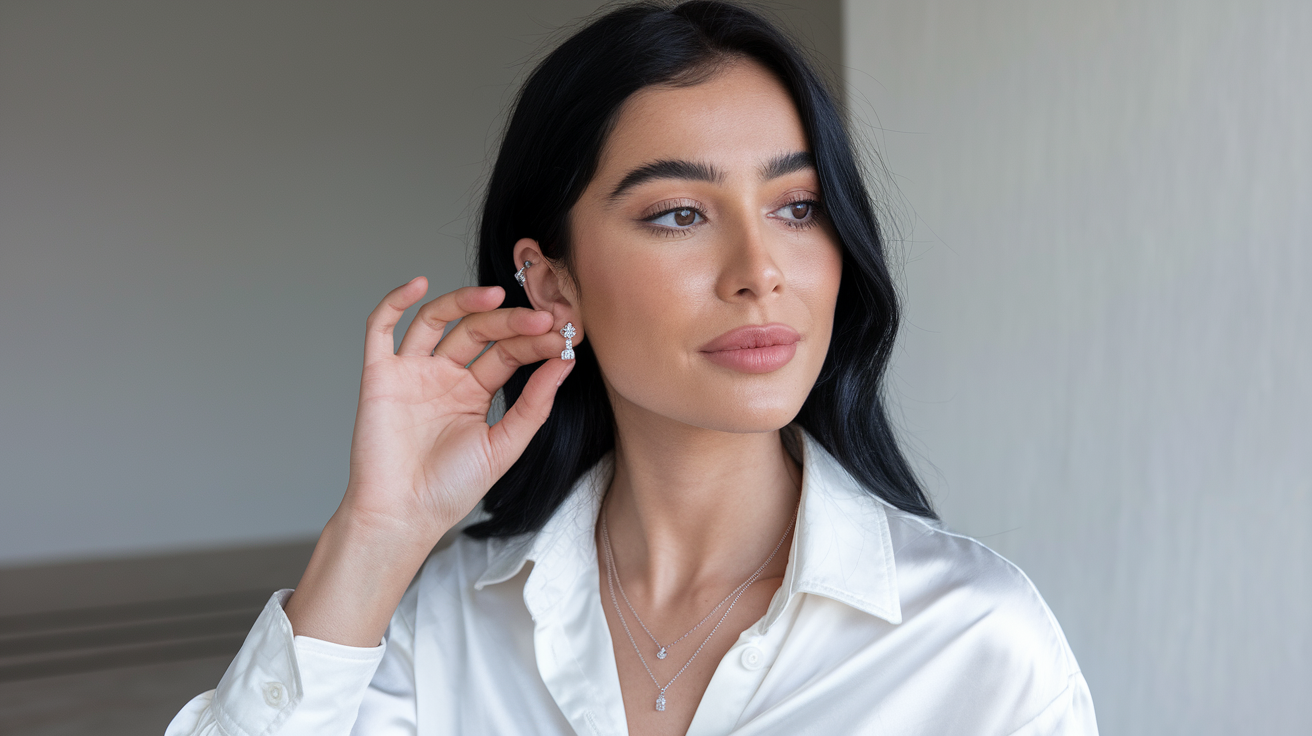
(519, 275)
(569, 333)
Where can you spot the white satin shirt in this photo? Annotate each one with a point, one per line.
(884, 624)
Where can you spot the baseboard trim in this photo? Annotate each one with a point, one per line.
(145, 578)
(84, 616)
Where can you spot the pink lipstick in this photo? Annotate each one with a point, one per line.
(753, 348)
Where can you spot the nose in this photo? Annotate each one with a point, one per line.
(748, 269)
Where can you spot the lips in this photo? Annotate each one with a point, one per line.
(754, 348)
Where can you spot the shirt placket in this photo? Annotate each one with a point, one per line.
(741, 672)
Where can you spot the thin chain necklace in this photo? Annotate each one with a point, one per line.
(612, 577)
(663, 650)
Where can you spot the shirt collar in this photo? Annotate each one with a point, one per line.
(842, 548)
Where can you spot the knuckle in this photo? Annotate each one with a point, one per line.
(543, 349)
(431, 319)
(541, 411)
(462, 295)
(507, 358)
(477, 333)
(531, 411)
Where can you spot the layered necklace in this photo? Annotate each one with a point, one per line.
(662, 650)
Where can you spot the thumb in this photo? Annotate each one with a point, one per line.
(512, 434)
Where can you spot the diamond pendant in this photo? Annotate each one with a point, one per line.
(661, 653)
(660, 702)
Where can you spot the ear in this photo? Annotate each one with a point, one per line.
(549, 287)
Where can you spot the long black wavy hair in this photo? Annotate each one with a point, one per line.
(548, 156)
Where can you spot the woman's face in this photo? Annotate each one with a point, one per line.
(706, 275)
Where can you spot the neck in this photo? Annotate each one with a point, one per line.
(696, 510)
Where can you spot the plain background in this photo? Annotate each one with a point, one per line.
(200, 203)
(1106, 370)
(1103, 219)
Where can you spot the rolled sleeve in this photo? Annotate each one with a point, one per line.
(283, 684)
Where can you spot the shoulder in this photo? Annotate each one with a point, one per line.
(451, 570)
(465, 574)
(457, 564)
(979, 628)
(958, 584)
(459, 553)
(445, 604)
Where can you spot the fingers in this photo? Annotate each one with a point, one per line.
(378, 328)
(511, 435)
(474, 332)
(426, 328)
(495, 367)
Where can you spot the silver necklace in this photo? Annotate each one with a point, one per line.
(662, 650)
(612, 577)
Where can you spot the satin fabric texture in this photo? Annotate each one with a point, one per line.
(885, 623)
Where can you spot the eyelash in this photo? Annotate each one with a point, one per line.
(813, 217)
(665, 208)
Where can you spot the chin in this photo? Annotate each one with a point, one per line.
(737, 424)
(712, 398)
(724, 412)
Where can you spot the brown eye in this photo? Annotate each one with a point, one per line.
(681, 219)
(801, 214)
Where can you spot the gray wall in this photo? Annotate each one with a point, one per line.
(1106, 370)
(199, 205)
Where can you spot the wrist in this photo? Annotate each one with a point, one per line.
(370, 514)
(360, 568)
(389, 534)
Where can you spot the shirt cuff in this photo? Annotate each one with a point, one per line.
(279, 678)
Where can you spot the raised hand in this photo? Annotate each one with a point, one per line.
(422, 454)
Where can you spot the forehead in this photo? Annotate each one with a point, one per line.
(736, 119)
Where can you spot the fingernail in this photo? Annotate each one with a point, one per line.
(568, 368)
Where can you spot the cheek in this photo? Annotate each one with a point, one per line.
(813, 272)
(822, 274)
(639, 305)
(646, 307)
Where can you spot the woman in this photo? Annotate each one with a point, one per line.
(685, 301)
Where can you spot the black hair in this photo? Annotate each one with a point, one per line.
(548, 156)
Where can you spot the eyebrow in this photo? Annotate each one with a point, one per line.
(787, 163)
(781, 165)
(667, 169)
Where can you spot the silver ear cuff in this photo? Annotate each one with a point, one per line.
(519, 275)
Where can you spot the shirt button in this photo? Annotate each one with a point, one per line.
(274, 694)
(753, 658)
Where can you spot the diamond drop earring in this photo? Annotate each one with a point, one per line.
(569, 333)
